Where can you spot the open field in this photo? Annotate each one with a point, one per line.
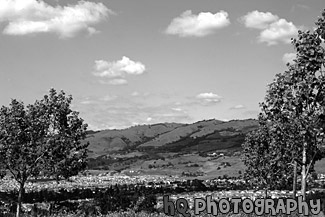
(201, 167)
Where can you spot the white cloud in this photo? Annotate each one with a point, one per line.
(36, 16)
(106, 69)
(205, 23)
(135, 93)
(119, 68)
(273, 29)
(139, 95)
(86, 102)
(122, 112)
(131, 67)
(118, 81)
(94, 100)
(238, 107)
(259, 20)
(176, 117)
(101, 65)
(288, 58)
(117, 71)
(279, 31)
(177, 109)
(108, 98)
(208, 98)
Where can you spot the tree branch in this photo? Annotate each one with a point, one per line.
(12, 172)
(310, 163)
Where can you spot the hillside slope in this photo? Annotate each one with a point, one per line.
(107, 141)
(205, 135)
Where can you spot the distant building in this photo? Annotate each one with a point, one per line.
(214, 154)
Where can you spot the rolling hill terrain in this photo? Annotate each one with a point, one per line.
(205, 149)
(198, 149)
(208, 135)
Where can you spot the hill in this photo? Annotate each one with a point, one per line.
(207, 135)
(109, 141)
(205, 149)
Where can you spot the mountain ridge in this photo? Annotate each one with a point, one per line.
(175, 136)
(204, 149)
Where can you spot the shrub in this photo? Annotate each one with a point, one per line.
(148, 204)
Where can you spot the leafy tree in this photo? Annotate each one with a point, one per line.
(268, 163)
(296, 98)
(43, 138)
(303, 95)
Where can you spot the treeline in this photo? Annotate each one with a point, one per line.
(114, 198)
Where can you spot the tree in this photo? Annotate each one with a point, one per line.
(43, 138)
(271, 151)
(297, 98)
(267, 162)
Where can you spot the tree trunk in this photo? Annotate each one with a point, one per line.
(20, 198)
(265, 191)
(303, 172)
(294, 180)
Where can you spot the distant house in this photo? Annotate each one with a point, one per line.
(214, 154)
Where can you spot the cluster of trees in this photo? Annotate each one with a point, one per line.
(115, 198)
(290, 137)
(43, 138)
(138, 200)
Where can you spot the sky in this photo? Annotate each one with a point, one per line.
(133, 62)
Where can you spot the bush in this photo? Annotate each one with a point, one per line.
(112, 203)
(148, 204)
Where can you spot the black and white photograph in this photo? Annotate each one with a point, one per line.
(157, 108)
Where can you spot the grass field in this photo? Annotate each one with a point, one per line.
(205, 167)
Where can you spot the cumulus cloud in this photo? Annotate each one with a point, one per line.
(208, 98)
(116, 71)
(279, 31)
(205, 23)
(259, 20)
(273, 29)
(35, 16)
(288, 58)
